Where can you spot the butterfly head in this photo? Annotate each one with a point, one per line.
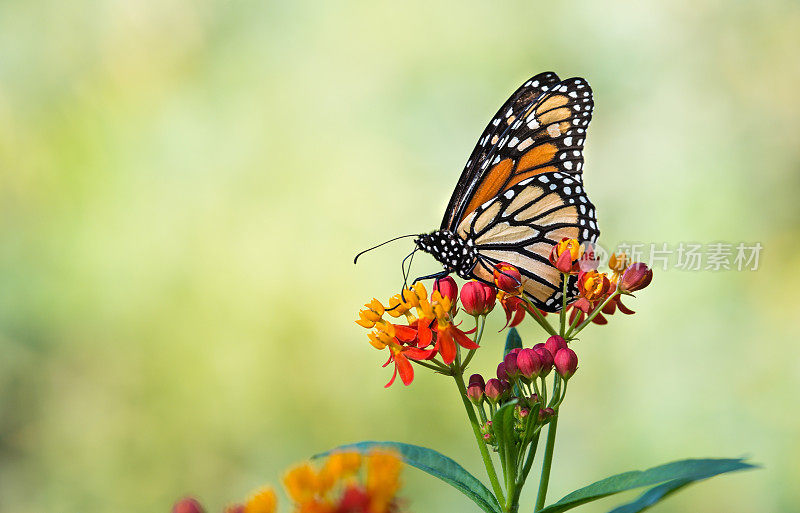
(454, 253)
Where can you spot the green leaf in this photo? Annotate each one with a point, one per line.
(435, 464)
(513, 341)
(670, 477)
(652, 496)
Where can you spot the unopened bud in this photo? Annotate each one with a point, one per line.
(188, 505)
(566, 362)
(494, 389)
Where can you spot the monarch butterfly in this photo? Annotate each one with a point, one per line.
(521, 191)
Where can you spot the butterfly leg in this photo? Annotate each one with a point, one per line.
(440, 274)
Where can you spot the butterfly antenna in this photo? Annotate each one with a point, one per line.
(355, 260)
(406, 273)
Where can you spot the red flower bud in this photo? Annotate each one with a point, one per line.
(547, 359)
(477, 379)
(501, 371)
(529, 363)
(554, 343)
(447, 288)
(475, 393)
(478, 298)
(637, 276)
(545, 414)
(510, 362)
(507, 278)
(188, 505)
(494, 389)
(565, 256)
(566, 362)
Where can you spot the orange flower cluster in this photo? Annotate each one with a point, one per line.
(598, 290)
(344, 484)
(429, 331)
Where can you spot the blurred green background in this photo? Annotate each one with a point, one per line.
(184, 185)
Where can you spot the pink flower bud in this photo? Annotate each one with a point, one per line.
(494, 389)
(447, 288)
(478, 298)
(477, 379)
(566, 362)
(545, 414)
(529, 363)
(547, 359)
(501, 371)
(188, 505)
(554, 343)
(507, 278)
(510, 362)
(475, 393)
(637, 276)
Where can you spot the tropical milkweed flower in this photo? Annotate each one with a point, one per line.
(593, 285)
(347, 483)
(636, 277)
(430, 330)
(507, 278)
(565, 256)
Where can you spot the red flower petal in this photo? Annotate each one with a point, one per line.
(405, 368)
(404, 334)
(446, 346)
(462, 339)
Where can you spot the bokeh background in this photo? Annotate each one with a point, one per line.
(184, 185)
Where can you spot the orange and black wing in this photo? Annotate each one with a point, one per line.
(520, 227)
(540, 129)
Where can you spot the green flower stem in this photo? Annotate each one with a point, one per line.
(526, 468)
(546, 464)
(440, 369)
(537, 316)
(477, 340)
(563, 395)
(556, 390)
(563, 313)
(487, 459)
(592, 315)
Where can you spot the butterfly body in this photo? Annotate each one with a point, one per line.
(522, 190)
(456, 254)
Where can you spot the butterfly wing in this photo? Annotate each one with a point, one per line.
(511, 110)
(521, 225)
(540, 129)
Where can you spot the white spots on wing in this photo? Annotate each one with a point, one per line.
(496, 121)
(543, 179)
(573, 94)
(568, 165)
(513, 142)
(563, 89)
(567, 191)
(509, 194)
(510, 112)
(496, 160)
(533, 124)
(553, 130)
(524, 144)
(582, 208)
(535, 83)
(568, 141)
(553, 186)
